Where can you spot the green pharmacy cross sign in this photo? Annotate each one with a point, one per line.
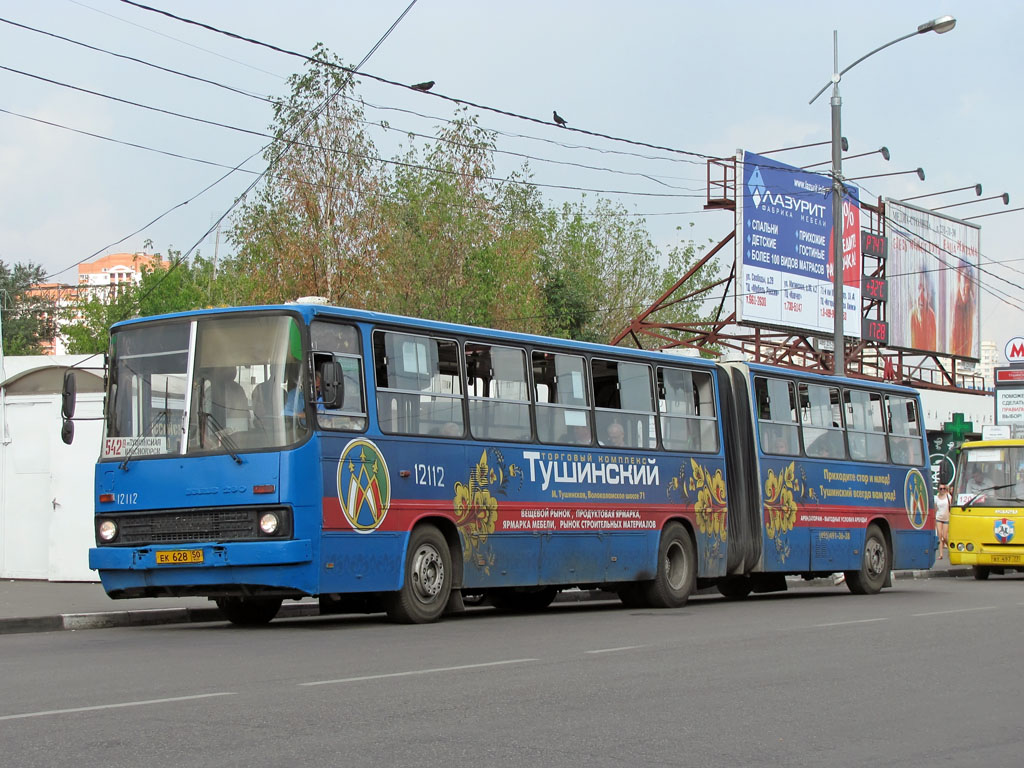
(958, 428)
(944, 447)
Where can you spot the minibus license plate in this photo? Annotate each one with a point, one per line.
(1005, 558)
(179, 556)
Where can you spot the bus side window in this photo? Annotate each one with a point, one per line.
(865, 425)
(687, 408)
(562, 398)
(778, 424)
(904, 431)
(499, 393)
(624, 403)
(822, 419)
(342, 342)
(419, 384)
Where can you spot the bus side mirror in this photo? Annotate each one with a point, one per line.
(67, 407)
(67, 431)
(68, 395)
(332, 385)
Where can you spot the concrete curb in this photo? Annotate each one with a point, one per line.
(139, 618)
(156, 616)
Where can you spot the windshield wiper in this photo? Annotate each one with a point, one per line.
(138, 441)
(983, 491)
(224, 437)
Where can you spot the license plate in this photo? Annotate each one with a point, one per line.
(179, 556)
(1005, 558)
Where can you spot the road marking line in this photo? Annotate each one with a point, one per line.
(115, 706)
(958, 610)
(856, 621)
(613, 650)
(418, 672)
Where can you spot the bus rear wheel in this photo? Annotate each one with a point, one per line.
(875, 564)
(677, 569)
(427, 582)
(980, 572)
(249, 611)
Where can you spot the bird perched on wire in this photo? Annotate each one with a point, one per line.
(559, 120)
(423, 86)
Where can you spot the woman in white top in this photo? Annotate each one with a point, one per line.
(942, 499)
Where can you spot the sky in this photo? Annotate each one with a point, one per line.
(703, 78)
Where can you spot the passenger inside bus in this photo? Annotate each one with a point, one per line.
(978, 481)
(615, 435)
(229, 406)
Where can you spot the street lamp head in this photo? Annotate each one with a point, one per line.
(1006, 198)
(977, 190)
(920, 173)
(940, 26)
(885, 153)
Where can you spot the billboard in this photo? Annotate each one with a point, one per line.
(932, 269)
(784, 228)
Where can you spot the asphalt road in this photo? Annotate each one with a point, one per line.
(925, 674)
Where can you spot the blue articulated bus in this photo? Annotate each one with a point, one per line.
(259, 454)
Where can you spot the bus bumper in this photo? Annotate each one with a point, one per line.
(988, 559)
(254, 553)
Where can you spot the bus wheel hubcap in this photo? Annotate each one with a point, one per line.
(675, 565)
(427, 573)
(875, 557)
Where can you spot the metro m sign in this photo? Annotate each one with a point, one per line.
(1014, 350)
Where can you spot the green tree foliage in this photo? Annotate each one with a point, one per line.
(454, 244)
(26, 316)
(433, 232)
(309, 230)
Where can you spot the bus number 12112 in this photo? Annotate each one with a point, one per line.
(429, 474)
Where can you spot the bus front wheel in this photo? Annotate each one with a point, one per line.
(249, 611)
(428, 579)
(875, 564)
(677, 569)
(980, 572)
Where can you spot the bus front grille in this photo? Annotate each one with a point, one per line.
(191, 525)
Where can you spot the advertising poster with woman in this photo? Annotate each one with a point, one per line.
(932, 270)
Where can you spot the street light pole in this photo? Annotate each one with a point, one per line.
(838, 304)
(940, 26)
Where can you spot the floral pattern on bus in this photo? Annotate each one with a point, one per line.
(709, 509)
(780, 506)
(476, 508)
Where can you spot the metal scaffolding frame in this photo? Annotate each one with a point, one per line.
(778, 346)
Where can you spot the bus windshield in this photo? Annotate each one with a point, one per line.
(224, 383)
(990, 476)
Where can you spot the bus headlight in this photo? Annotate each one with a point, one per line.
(960, 546)
(107, 530)
(269, 523)
(970, 546)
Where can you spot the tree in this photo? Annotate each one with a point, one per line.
(432, 232)
(599, 266)
(308, 230)
(454, 244)
(26, 315)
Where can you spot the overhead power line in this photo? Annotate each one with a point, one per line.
(435, 94)
(137, 60)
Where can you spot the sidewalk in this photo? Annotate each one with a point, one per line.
(47, 606)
